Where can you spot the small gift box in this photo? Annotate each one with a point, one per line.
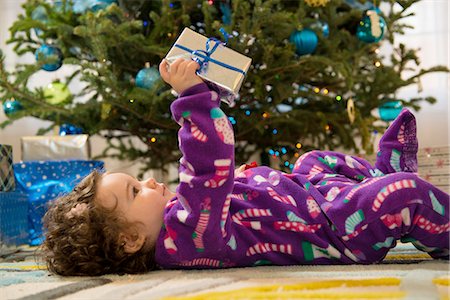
(55, 147)
(221, 68)
(44, 181)
(6, 170)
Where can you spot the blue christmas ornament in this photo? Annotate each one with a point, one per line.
(52, 55)
(96, 5)
(372, 27)
(11, 106)
(69, 129)
(147, 77)
(389, 110)
(305, 41)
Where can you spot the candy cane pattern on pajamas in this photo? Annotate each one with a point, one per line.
(429, 226)
(296, 226)
(249, 213)
(209, 262)
(389, 189)
(268, 247)
(284, 199)
(223, 218)
(195, 131)
(354, 233)
(358, 187)
(314, 171)
(197, 235)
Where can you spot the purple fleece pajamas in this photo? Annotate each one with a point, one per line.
(332, 209)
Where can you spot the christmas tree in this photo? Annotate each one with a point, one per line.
(315, 78)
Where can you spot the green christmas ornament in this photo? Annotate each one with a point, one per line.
(57, 93)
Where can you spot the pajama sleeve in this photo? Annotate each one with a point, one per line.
(195, 223)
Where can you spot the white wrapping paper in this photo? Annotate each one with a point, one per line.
(55, 147)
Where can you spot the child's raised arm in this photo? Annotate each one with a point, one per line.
(195, 224)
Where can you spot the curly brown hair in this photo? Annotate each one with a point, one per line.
(87, 242)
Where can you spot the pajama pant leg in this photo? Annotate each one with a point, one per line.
(316, 164)
(396, 206)
(397, 149)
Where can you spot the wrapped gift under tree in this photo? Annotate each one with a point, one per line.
(43, 181)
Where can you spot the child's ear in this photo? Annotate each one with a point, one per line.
(132, 243)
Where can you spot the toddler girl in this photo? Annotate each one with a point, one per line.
(332, 209)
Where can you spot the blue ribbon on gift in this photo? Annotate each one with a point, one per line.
(203, 57)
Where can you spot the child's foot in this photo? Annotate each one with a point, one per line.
(397, 150)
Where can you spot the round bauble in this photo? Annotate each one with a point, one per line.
(388, 111)
(11, 106)
(371, 28)
(147, 77)
(51, 55)
(96, 5)
(69, 129)
(57, 93)
(305, 41)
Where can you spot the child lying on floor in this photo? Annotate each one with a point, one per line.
(332, 209)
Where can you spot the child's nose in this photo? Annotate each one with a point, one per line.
(150, 183)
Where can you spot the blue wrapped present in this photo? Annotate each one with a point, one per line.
(44, 181)
(13, 218)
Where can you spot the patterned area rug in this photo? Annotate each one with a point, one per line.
(405, 274)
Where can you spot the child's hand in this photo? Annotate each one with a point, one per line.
(180, 74)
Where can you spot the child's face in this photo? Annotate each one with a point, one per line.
(139, 201)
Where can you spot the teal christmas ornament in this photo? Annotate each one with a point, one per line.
(388, 111)
(11, 106)
(372, 27)
(69, 129)
(305, 41)
(147, 77)
(96, 5)
(52, 55)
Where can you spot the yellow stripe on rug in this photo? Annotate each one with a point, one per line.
(23, 267)
(307, 290)
(442, 281)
